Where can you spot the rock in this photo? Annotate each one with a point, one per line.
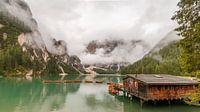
(91, 47)
(31, 39)
(59, 47)
(5, 36)
(1, 26)
(74, 61)
(30, 73)
(109, 46)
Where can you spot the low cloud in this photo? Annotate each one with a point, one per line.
(78, 22)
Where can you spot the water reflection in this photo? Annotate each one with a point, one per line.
(18, 95)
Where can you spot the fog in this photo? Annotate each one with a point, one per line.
(23, 14)
(78, 22)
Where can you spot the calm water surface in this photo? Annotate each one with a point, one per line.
(19, 95)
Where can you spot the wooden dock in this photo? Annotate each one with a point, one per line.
(71, 81)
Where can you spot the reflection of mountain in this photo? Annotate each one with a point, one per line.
(93, 98)
(108, 103)
(18, 95)
(21, 95)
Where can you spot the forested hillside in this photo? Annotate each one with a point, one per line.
(15, 62)
(12, 59)
(23, 50)
(166, 60)
(182, 57)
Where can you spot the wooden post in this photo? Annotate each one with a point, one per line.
(141, 102)
(154, 102)
(169, 102)
(131, 97)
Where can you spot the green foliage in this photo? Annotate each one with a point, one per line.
(13, 60)
(12, 57)
(146, 65)
(53, 67)
(69, 69)
(13, 23)
(193, 99)
(182, 59)
(100, 71)
(165, 61)
(188, 18)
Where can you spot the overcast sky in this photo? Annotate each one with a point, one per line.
(80, 21)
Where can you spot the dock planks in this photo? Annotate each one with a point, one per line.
(71, 81)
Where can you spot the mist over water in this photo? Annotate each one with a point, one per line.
(79, 22)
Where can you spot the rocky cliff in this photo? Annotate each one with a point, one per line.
(109, 48)
(20, 30)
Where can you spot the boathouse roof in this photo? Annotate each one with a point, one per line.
(162, 79)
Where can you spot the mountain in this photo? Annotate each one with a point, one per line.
(22, 48)
(163, 58)
(111, 68)
(170, 37)
(109, 45)
(110, 48)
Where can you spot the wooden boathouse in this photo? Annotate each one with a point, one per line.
(153, 87)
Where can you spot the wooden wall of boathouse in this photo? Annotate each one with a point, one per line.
(136, 88)
(147, 92)
(170, 92)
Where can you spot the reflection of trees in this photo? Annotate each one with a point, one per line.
(72, 88)
(108, 102)
(73, 77)
(16, 94)
(129, 105)
(109, 79)
(134, 106)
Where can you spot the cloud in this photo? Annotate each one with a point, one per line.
(19, 10)
(80, 21)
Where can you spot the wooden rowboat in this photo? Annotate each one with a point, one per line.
(52, 81)
(88, 81)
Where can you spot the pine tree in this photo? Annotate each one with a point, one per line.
(188, 18)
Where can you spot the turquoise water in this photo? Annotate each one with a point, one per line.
(20, 95)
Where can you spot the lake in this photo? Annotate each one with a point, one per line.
(21, 95)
